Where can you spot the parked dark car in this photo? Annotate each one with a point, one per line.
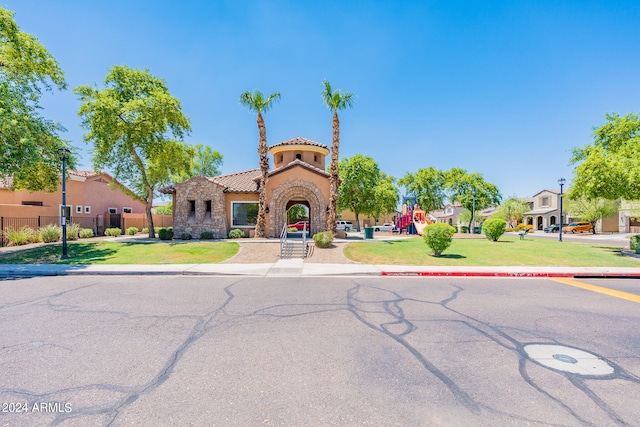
(552, 228)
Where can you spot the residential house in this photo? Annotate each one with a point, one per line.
(448, 215)
(91, 199)
(629, 217)
(545, 210)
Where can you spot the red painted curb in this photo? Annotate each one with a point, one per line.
(502, 274)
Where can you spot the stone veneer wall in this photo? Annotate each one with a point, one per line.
(297, 190)
(200, 189)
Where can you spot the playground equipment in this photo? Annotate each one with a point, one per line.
(412, 219)
(420, 220)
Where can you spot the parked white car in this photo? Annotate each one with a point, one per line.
(344, 225)
(387, 226)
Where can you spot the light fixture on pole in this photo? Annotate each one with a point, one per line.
(64, 154)
(561, 181)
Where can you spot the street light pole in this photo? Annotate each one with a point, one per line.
(64, 153)
(473, 213)
(561, 181)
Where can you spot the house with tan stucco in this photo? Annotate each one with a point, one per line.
(94, 200)
(221, 203)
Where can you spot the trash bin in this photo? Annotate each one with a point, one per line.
(368, 232)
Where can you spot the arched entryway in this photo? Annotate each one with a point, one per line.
(539, 221)
(290, 194)
(297, 211)
(552, 220)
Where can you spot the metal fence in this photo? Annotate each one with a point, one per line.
(97, 223)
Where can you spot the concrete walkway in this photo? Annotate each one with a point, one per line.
(299, 268)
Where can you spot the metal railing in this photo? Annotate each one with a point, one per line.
(293, 247)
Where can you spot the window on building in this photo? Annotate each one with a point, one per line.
(207, 211)
(299, 156)
(127, 210)
(544, 201)
(315, 158)
(31, 203)
(245, 214)
(192, 211)
(87, 209)
(112, 210)
(79, 209)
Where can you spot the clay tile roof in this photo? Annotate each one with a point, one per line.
(239, 182)
(300, 141)
(298, 162)
(84, 173)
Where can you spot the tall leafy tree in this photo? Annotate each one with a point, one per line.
(365, 189)
(136, 128)
(205, 162)
(428, 186)
(470, 190)
(359, 175)
(609, 168)
(297, 213)
(591, 210)
(385, 196)
(258, 103)
(512, 210)
(335, 101)
(29, 143)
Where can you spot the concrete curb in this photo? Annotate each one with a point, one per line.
(508, 274)
(297, 268)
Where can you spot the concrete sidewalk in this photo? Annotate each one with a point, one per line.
(298, 268)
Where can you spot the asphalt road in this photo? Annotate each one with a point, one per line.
(221, 351)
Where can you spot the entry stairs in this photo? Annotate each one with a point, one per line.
(294, 247)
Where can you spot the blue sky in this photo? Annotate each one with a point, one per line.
(504, 88)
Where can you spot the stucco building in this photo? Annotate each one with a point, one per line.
(221, 203)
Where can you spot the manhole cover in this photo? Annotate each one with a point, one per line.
(567, 359)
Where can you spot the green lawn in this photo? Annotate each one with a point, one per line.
(508, 251)
(161, 252)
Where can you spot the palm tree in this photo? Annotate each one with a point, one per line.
(335, 100)
(257, 102)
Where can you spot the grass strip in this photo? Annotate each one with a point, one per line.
(161, 252)
(508, 251)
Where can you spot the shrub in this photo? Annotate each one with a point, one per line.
(132, 231)
(50, 233)
(185, 236)
(438, 237)
(18, 237)
(34, 236)
(113, 232)
(323, 239)
(145, 230)
(634, 243)
(85, 233)
(236, 233)
(292, 230)
(494, 228)
(165, 233)
(73, 231)
(206, 235)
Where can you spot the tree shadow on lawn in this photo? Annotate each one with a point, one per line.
(610, 249)
(86, 255)
(449, 256)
